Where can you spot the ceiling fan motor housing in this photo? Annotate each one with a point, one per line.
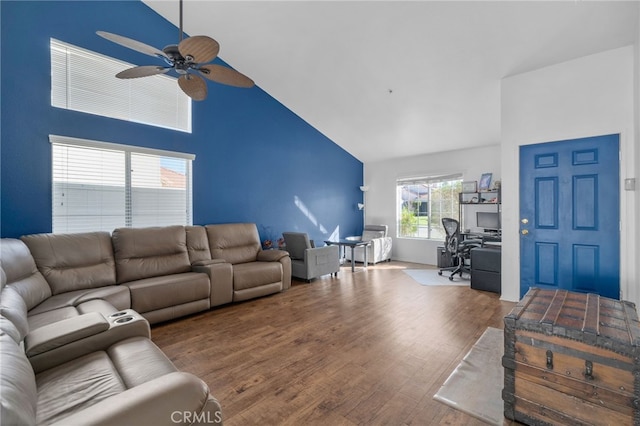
(176, 60)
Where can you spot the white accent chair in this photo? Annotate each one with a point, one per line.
(380, 248)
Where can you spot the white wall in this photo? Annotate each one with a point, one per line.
(637, 142)
(589, 96)
(381, 176)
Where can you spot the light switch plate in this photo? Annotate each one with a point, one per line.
(630, 184)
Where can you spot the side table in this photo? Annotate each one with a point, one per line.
(353, 244)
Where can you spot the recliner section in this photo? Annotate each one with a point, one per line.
(154, 264)
(255, 272)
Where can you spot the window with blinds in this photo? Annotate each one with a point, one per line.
(423, 202)
(82, 80)
(99, 186)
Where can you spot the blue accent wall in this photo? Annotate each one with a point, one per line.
(256, 161)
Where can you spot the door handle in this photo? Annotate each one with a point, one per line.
(525, 231)
(525, 221)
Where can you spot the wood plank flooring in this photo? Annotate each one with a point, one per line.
(365, 348)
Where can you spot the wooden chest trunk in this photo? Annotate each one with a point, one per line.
(571, 359)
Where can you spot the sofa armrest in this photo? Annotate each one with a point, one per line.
(381, 248)
(378, 249)
(376, 243)
(281, 256)
(173, 399)
(120, 326)
(322, 260)
(271, 255)
(323, 253)
(220, 279)
(60, 333)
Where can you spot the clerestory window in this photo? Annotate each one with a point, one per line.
(82, 80)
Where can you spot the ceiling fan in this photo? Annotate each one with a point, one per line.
(189, 58)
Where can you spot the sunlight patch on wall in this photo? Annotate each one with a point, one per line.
(305, 211)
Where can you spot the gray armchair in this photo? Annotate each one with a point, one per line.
(309, 262)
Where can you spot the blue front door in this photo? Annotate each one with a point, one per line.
(570, 216)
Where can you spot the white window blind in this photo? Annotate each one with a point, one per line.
(99, 186)
(82, 80)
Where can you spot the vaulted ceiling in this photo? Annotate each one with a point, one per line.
(387, 79)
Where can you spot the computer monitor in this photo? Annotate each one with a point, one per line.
(490, 221)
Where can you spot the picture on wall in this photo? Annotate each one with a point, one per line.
(485, 181)
(469, 186)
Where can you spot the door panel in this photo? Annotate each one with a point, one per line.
(570, 215)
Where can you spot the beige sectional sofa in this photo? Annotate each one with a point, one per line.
(75, 313)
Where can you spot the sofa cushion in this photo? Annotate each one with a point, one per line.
(19, 396)
(117, 296)
(234, 242)
(105, 300)
(169, 290)
(197, 244)
(139, 360)
(150, 252)
(73, 261)
(64, 306)
(13, 308)
(21, 272)
(255, 274)
(8, 328)
(76, 385)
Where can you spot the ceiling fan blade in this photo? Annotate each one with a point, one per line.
(143, 71)
(225, 75)
(201, 48)
(195, 87)
(132, 44)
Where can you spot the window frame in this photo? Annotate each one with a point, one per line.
(128, 151)
(155, 100)
(433, 230)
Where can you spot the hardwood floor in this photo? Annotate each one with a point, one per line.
(370, 347)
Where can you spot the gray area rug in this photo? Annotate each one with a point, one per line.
(431, 277)
(475, 386)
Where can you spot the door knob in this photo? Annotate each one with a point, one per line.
(525, 231)
(525, 221)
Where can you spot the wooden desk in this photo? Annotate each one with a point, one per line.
(488, 239)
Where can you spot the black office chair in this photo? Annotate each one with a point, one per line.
(455, 248)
